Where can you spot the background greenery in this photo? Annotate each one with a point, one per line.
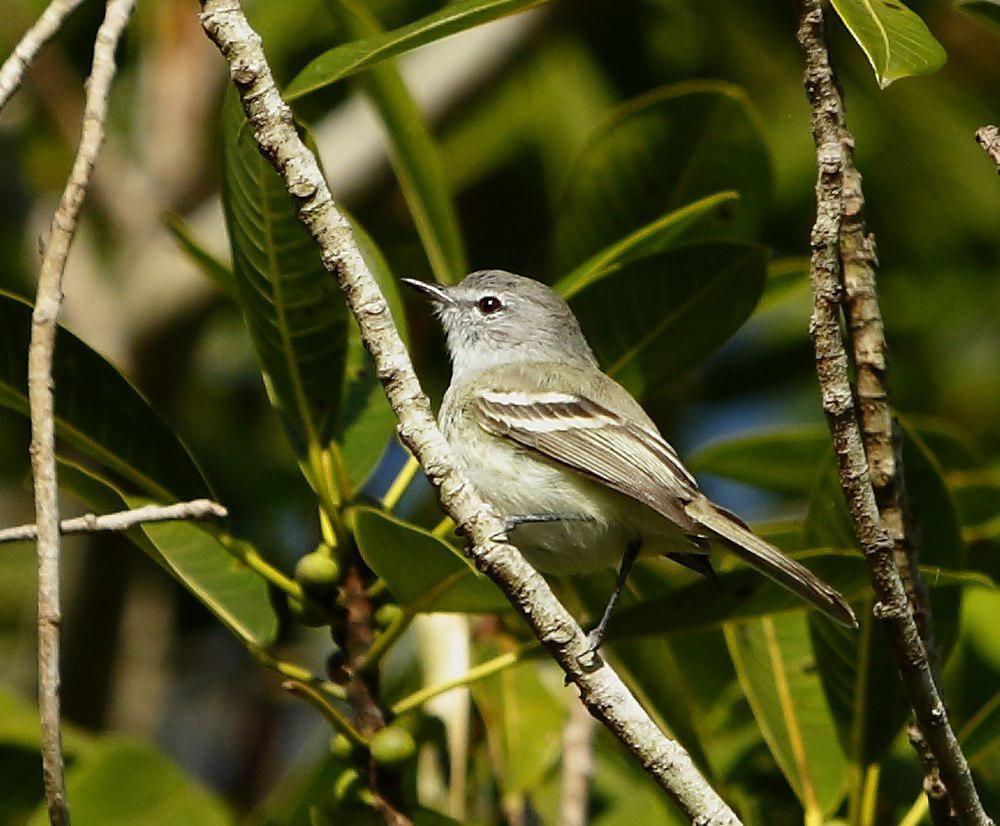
(652, 159)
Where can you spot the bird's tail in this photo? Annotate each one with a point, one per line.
(770, 561)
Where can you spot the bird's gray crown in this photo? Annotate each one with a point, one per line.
(494, 317)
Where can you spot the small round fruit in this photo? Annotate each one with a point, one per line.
(341, 747)
(317, 573)
(388, 614)
(347, 785)
(392, 746)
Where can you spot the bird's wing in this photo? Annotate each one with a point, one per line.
(636, 461)
(594, 441)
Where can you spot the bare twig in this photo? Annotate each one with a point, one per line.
(40, 398)
(989, 138)
(123, 520)
(836, 191)
(14, 67)
(603, 692)
(577, 767)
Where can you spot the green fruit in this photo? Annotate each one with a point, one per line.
(388, 614)
(392, 746)
(317, 573)
(341, 747)
(347, 785)
(305, 614)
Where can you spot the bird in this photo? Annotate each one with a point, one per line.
(580, 474)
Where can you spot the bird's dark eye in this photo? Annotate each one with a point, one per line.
(488, 304)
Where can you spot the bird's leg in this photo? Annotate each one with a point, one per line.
(513, 522)
(596, 637)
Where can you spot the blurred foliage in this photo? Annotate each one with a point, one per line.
(652, 160)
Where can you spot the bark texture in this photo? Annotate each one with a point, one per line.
(989, 138)
(601, 690)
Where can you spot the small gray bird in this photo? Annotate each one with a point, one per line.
(579, 471)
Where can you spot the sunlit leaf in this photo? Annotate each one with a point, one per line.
(655, 154)
(414, 155)
(193, 554)
(292, 305)
(422, 571)
(661, 316)
(345, 60)
(777, 670)
(897, 41)
(97, 410)
(652, 238)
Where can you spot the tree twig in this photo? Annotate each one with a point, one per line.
(988, 137)
(123, 520)
(577, 767)
(603, 692)
(836, 195)
(41, 402)
(14, 67)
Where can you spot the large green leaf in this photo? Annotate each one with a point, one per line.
(782, 460)
(858, 669)
(423, 572)
(193, 554)
(654, 237)
(292, 305)
(414, 155)
(343, 61)
(777, 669)
(655, 154)
(97, 410)
(661, 316)
(896, 40)
(122, 782)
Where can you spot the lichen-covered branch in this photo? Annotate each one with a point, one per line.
(123, 520)
(14, 67)
(603, 692)
(837, 196)
(40, 397)
(988, 137)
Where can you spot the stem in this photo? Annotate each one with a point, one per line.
(295, 672)
(473, 675)
(327, 709)
(249, 556)
(384, 640)
(400, 484)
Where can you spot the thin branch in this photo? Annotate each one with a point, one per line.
(989, 138)
(577, 767)
(601, 689)
(835, 192)
(315, 698)
(45, 28)
(123, 520)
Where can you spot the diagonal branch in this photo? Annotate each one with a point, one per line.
(838, 209)
(123, 520)
(601, 690)
(988, 137)
(14, 67)
(41, 401)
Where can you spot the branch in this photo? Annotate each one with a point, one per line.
(14, 67)
(837, 194)
(123, 520)
(601, 689)
(989, 138)
(40, 398)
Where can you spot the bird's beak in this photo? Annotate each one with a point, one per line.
(430, 291)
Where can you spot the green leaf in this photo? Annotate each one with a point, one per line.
(858, 670)
(661, 316)
(896, 40)
(125, 782)
(193, 554)
(215, 270)
(654, 237)
(782, 460)
(414, 154)
(776, 667)
(292, 305)
(423, 572)
(97, 411)
(655, 154)
(345, 60)
(988, 10)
